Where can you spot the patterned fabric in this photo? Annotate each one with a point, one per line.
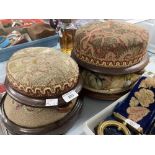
(32, 117)
(111, 44)
(139, 105)
(42, 72)
(108, 84)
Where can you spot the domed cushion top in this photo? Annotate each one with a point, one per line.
(111, 44)
(27, 116)
(42, 72)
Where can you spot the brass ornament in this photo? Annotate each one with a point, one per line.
(121, 127)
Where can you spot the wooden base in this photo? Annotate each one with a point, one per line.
(58, 127)
(38, 102)
(101, 96)
(112, 71)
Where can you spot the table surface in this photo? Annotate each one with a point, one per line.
(90, 106)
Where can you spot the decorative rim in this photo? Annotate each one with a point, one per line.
(112, 71)
(110, 91)
(35, 102)
(103, 96)
(58, 127)
(121, 127)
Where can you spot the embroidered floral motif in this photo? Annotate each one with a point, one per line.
(124, 43)
(42, 72)
(137, 113)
